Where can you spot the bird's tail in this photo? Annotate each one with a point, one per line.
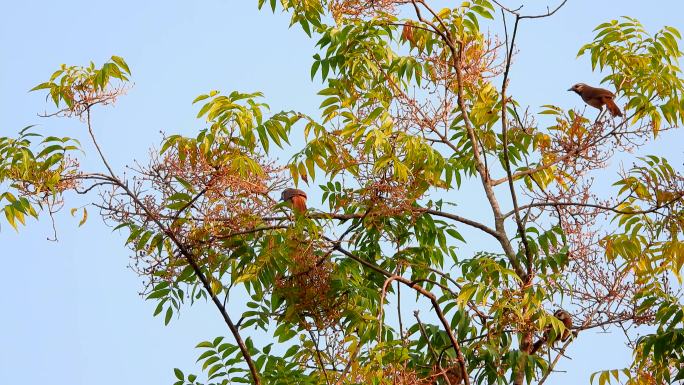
(613, 108)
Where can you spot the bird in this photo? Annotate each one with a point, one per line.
(566, 319)
(296, 198)
(597, 97)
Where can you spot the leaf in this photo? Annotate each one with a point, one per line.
(121, 63)
(159, 294)
(179, 374)
(142, 241)
(84, 218)
(204, 344)
(169, 314)
(200, 98)
(314, 68)
(216, 287)
(9, 215)
(42, 86)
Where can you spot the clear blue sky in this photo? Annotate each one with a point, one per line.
(69, 310)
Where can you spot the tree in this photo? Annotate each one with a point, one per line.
(415, 109)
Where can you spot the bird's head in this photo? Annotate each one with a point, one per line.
(579, 87)
(289, 193)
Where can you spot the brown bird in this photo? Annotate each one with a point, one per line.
(566, 319)
(296, 198)
(597, 97)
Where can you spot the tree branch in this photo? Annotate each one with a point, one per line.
(425, 293)
(504, 134)
(597, 206)
(186, 253)
(516, 12)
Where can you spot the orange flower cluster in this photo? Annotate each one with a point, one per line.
(356, 9)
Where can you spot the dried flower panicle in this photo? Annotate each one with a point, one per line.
(224, 201)
(307, 288)
(357, 9)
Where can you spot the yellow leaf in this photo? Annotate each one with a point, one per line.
(216, 287)
(84, 218)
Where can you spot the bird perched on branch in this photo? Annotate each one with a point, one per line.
(296, 198)
(597, 97)
(566, 319)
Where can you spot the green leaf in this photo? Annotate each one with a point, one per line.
(169, 314)
(179, 374)
(121, 63)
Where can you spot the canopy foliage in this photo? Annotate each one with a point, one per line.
(415, 109)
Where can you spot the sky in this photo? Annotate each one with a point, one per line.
(70, 312)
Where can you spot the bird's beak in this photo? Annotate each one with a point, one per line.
(570, 89)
